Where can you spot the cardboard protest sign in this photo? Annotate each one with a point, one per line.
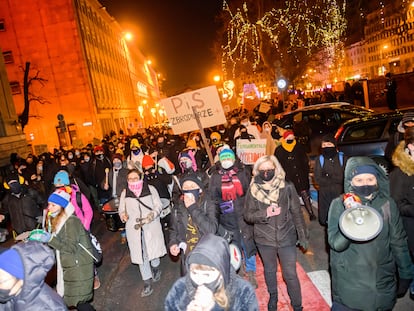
(249, 151)
(179, 110)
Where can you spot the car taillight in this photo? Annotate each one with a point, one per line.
(339, 132)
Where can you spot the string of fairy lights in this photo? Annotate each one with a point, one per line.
(309, 25)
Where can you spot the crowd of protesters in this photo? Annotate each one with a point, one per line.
(172, 192)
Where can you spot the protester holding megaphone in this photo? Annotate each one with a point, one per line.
(364, 268)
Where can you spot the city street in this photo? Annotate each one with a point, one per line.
(121, 283)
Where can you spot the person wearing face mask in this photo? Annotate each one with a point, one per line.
(402, 185)
(364, 274)
(329, 176)
(211, 283)
(250, 128)
(65, 233)
(23, 269)
(22, 204)
(140, 207)
(99, 170)
(194, 215)
(272, 206)
(228, 185)
(134, 159)
(295, 162)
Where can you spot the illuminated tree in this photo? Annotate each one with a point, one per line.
(279, 36)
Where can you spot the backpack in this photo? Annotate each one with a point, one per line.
(341, 159)
(96, 252)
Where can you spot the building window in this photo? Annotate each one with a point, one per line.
(8, 57)
(2, 25)
(15, 87)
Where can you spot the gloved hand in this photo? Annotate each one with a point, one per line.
(40, 236)
(303, 245)
(403, 286)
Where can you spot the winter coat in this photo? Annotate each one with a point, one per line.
(23, 209)
(121, 180)
(282, 230)
(296, 165)
(37, 260)
(242, 296)
(364, 273)
(233, 221)
(74, 265)
(402, 189)
(152, 231)
(330, 180)
(204, 216)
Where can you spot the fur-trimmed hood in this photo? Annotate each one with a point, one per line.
(403, 160)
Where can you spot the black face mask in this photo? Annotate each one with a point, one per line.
(15, 187)
(100, 156)
(329, 152)
(195, 192)
(161, 145)
(213, 286)
(5, 295)
(364, 191)
(289, 141)
(266, 175)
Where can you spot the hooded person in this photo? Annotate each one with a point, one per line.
(364, 274)
(23, 269)
(329, 175)
(211, 283)
(193, 216)
(134, 159)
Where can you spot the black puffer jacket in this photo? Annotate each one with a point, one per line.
(37, 259)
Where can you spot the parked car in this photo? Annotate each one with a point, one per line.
(311, 123)
(369, 135)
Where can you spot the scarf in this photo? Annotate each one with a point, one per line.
(288, 147)
(267, 193)
(231, 187)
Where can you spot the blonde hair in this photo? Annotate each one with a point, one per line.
(220, 296)
(268, 158)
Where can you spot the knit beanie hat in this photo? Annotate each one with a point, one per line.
(60, 197)
(364, 169)
(117, 156)
(287, 134)
(61, 178)
(226, 154)
(134, 143)
(194, 178)
(11, 262)
(147, 161)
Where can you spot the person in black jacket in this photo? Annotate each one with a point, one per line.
(194, 216)
(294, 160)
(23, 204)
(272, 206)
(229, 183)
(329, 175)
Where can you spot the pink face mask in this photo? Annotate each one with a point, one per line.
(135, 187)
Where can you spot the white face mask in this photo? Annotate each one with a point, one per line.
(227, 164)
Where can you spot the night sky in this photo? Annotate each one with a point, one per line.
(177, 35)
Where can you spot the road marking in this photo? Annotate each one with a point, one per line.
(322, 281)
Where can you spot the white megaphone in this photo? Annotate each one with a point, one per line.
(360, 223)
(235, 256)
